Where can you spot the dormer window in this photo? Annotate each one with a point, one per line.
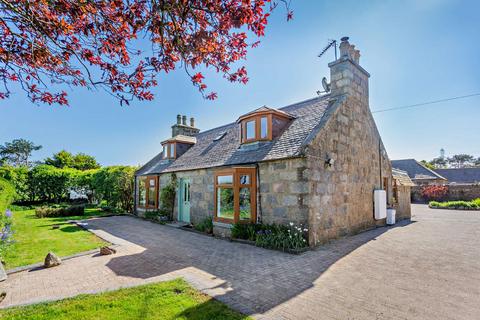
(176, 146)
(262, 124)
(169, 150)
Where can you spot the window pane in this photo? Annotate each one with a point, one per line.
(245, 179)
(225, 179)
(264, 127)
(142, 193)
(225, 203)
(172, 150)
(165, 155)
(245, 205)
(250, 127)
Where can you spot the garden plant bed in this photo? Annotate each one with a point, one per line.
(456, 205)
(174, 299)
(252, 243)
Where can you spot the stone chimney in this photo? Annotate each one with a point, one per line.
(181, 127)
(346, 74)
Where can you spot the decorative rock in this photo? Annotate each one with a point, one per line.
(3, 274)
(3, 294)
(55, 226)
(51, 260)
(105, 251)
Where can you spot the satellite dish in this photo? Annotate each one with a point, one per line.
(325, 85)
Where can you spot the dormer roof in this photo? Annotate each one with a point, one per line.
(265, 110)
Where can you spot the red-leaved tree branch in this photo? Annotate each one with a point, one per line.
(122, 45)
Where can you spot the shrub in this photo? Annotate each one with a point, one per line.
(59, 211)
(167, 196)
(247, 231)
(115, 185)
(6, 232)
(434, 192)
(206, 225)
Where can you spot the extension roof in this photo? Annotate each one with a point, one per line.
(460, 175)
(402, 178)
(415, 170)
(211, 151)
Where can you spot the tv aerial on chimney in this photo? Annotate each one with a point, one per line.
(325, 84)
(331, 43)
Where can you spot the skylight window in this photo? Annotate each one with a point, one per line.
(220, 136)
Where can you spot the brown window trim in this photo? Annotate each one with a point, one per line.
(258, 127)
(167, 146)
(147, 187)
(236, 173)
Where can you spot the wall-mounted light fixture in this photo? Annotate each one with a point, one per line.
(329, 162)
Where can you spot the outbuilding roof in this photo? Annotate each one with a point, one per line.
(402, 178)
(415, 170)
(460, 175)
(212, 151)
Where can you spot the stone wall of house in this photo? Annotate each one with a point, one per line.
(455, 192)
(341, 194)
(403, 205)
(201, 193)
(283, 191)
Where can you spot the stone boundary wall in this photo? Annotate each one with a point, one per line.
(455, 192)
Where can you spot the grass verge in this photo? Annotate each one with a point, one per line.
(165, 300)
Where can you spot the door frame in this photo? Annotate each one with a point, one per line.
(181, 192)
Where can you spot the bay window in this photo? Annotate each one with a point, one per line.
(235, 195)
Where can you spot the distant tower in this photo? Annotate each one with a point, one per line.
(442, 153)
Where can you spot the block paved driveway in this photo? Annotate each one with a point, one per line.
(426, 269)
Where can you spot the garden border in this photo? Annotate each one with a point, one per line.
(454, 208)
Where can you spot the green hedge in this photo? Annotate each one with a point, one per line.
(7, 194)
(51, 212)
(474, 204)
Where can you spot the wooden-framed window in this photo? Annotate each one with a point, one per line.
(256, 128)
(148, 192)
(235, 195)
(169, 150)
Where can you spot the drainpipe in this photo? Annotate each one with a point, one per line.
(135, 194)
(259, 194)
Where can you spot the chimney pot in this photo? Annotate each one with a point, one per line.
(345, 48)
(192, 122)
(179, 119)
(184, 120)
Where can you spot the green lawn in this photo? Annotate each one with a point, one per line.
(165, 300)
(34, 238)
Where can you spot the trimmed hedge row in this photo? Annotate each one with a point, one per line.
(51, 212)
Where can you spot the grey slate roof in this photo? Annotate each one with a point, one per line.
(415, 170)
(208, 152)
(461, 175)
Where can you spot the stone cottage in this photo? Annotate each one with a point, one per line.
(402, 185)
(316, 162)
(418, 173)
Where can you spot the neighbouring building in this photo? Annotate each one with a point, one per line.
(418, 173)
(460, 176)
(316, 162)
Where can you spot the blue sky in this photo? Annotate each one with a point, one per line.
(415, 51)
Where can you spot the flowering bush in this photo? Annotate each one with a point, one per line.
(434, 192)
(280, 237)
(6, 232)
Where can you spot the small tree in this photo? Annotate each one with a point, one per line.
(461, 160)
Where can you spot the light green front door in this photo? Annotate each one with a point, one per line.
(184, 200)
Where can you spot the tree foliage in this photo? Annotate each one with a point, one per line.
(65, 159)
(18, 151)
(18, 176)
(115, 185)
(122, 46)
(455, 161)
